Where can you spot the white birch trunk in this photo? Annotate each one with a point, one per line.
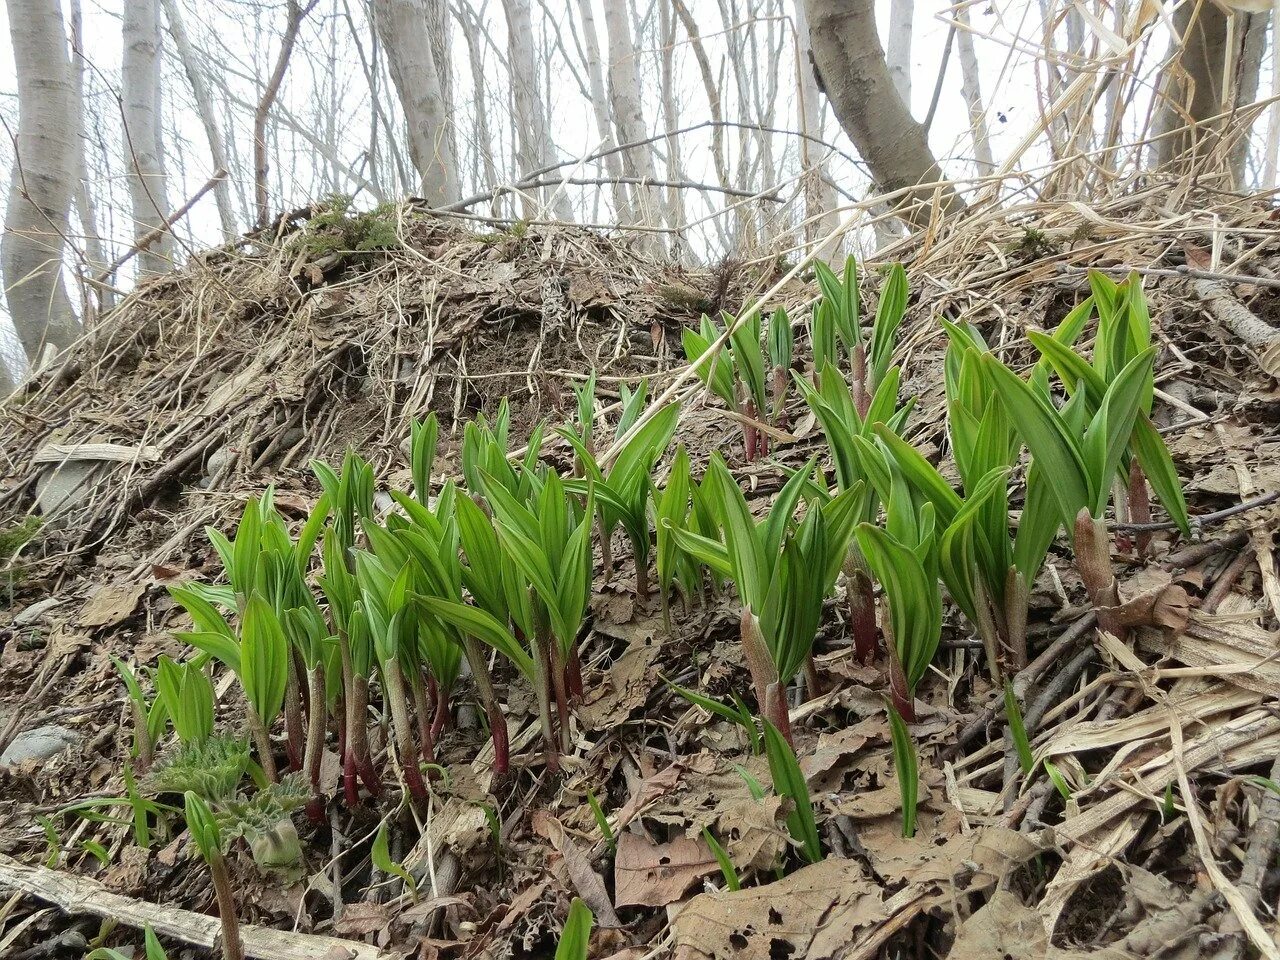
(403, 28)
(624, 94)
(971, 90)
(143, 152)
(1272, 150)
(600, 105)
(41, 182)
(85, 207)
(208, 116)
(533, 148)
(898, 50)
(671, 118)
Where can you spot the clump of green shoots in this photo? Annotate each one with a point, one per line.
(1081, 449)
(625, 492)
(783, 572)
(735, 374)
(835, 406)
(904, 557)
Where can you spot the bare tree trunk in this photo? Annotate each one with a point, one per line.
(40, 184)
(671, 117)
(208, 117)
(1271, 152)
(297, 13)
(85, 207)
(1192, 92)
(902, 15)
(402, 26)
(712, 88)
(1251, 35)
(851, 67)
(534, 139)
(600, 104)
(143, 149)
(439, 23)
(483, 136)
(971, 90)
(624, 93)
(819, 192)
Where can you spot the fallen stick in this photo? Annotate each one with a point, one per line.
(78, 895)
(1240, 320)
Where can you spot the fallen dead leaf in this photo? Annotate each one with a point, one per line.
(805, 915)
(362, 918)
(754, 832)
(581, 874)
(649, 874)
(111, 604)
(625, 685)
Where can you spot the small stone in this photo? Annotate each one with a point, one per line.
(38, 744)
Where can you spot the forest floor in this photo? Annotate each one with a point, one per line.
(205, 385)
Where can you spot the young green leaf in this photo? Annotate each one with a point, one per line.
(380, 854)
(727, 869)
(905, 766)
(575, 938)
(1017, 731)
(789, 782)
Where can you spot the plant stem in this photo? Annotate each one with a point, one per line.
(780, 381)
(903, 701)
(987, 629)
(573, 676)
(295, 737)
(542, 688)
(1139, 505)
(422, 710)
(558, 667)
(444, 704)
(776, 711)
(484, 692)
(861, 395)
(1016, 591)
(750, 436)
(232, 948)
(811, 678)
(262, 741)
(759, 663)
(358, 735)
(398, 706)
(1093, 561)
(316, 718)
(862, 606)
(345, 746)
(642, 575)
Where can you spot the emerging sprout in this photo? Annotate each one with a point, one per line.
(207, 837)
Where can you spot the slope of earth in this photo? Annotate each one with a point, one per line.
(1156, 836)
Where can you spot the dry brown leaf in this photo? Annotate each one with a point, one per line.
(582, 875)
(625, 685)
(801, 916)
(1005, 927)
(649, 874)
(111, 604)
(362, 918)
(754, 832)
